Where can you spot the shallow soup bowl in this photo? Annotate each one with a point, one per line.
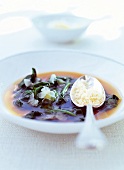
(47, 61)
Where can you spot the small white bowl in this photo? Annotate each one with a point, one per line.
(61, 28)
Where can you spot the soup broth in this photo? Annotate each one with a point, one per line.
(49, 109)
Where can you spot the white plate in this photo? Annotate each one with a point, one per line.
(15, 67)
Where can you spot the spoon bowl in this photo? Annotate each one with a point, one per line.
(88, 91)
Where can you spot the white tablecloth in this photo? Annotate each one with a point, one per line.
(23, 149)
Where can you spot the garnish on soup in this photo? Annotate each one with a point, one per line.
(47, 97)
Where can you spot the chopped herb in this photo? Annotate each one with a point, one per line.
(63, 92)
(56, 93)
(111, 100)
(46, 102)
(26, 95)
(18, 103)
(78, 111)
(37, 90)
(65, 89)
(60, 81)
(33, 114)
(61, 100)
(31, 77)
(34, 75)
(63, 77)
(27, 92)
(41, 84)
(22, 84)
(62, 110)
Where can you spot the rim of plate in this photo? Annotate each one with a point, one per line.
(38, 126)
(59, 50)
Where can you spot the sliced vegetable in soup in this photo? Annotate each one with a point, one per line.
(46, 97)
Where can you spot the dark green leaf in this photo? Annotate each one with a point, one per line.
(111, 101)
(41, 84)
(34, 75)
(64, 90)
(33, 114)
(61, 100)
(63, 77)
(37, 90)
(60, 81)
(27, 92)
(31, 77)
(22, 84)
(78, 111)
(18, 103)
(26, 95)
(62, 110)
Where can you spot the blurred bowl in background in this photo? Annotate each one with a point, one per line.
(61, 28)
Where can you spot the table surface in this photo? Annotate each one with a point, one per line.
(24, 149)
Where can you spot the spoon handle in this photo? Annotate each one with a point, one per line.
(90, 136)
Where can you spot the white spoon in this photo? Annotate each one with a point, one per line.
(88, 91)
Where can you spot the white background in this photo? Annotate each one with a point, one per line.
(22, 149)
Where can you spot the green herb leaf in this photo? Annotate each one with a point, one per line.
(56, 93)
(26, 95)
(34, 75)
(41, 84)
(27, 92)
(60, 81)
(46, 104)
(65, 89)
(63, 78)
(33, 114)
(22, 84)
(36, 91)
(78, 111)
(18, 103)
(61, 100)
(61, 110)
(112, 101)
(62, 94)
